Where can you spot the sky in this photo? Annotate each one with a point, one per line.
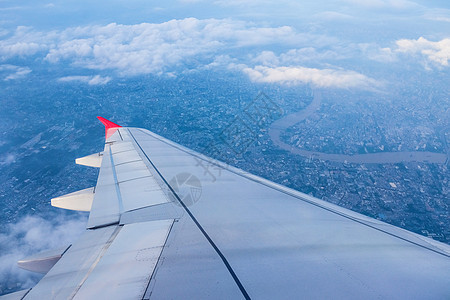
(325, 44)
(341, 44)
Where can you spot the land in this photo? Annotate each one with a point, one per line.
(49, 124)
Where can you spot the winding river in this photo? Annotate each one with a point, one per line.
(280, 125)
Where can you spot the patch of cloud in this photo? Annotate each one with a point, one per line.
(302, 55)
(334, 16)
(241, 3)
(375, 52)
(7, 159)
(24, 42)
(435, 52)
(31, 235)
(219, 61)
(267, 58)
(14, 72)
(289, 68)
(438, 18)
(384, 4)
(3, 32)
(437, 14)
(150, 48)
(13, 8)
(327, 78)
(190, 1)
(91, 80)
(97, 79)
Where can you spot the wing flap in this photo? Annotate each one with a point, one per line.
(125, 269)
(65, 278)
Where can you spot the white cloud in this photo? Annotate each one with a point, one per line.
(288, 68)
(375, 52)
(267, 58)
(437, 18)
(24, 42)
(96, 80)
(436, 52)
(18, 49)
(189, 1)
(317, 77)
(91, 80)
(432, 53)
(379, 4)
(311, 54)
(13, 8)
(15, 72)
(7, 159)
(149, 48)
(219, 61)
(242, 3)
(334, 16)
(31, 235)
(298, 56)
(3, 32)
(437, 14)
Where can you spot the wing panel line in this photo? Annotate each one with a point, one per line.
(116, 183)
(205, 234)
(97, 260)
(148, 176)
(158, 260)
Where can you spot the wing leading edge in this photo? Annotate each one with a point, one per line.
(168, 222)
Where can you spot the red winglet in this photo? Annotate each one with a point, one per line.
(108, 125)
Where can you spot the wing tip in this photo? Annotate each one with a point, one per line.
(108, 125)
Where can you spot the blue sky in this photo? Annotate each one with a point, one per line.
(326, 44)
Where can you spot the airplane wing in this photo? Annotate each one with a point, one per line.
(167, 222)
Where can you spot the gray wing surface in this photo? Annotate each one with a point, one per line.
(168, 223)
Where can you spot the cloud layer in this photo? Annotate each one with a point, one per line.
(145, 48)
(160, 48)
(91, 80)
(436, 52)
(165, 48)
(14, 72)
(384, 4)
(328, 78)
(31, 235)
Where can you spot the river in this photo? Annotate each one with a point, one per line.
(280, 125)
